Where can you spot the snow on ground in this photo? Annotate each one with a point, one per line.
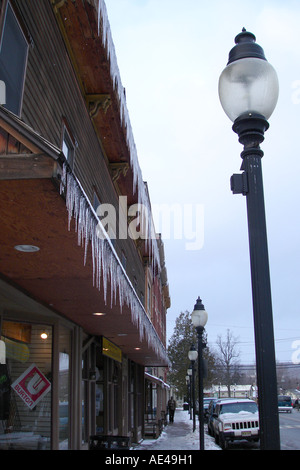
(179, 436)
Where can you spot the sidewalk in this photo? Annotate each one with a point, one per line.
(179, 436)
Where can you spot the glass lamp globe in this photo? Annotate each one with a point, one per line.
(199, 315)
(193, 354)
(248, 84)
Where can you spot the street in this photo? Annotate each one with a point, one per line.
(290, 430)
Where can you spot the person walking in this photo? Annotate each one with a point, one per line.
(171, 409)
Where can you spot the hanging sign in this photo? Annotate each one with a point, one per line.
(111, 350)
(31, 386)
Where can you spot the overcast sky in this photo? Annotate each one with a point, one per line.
(170, 55)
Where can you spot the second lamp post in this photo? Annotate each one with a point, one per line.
(199, 319)
(193, 357)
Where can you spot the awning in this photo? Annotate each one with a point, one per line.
(156, 380)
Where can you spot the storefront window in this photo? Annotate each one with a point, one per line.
(131, 397)
(64, 386)
(99, 392)
(25, 386)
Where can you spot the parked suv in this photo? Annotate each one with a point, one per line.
(210, 415)
(235, 419)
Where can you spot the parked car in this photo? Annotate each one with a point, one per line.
(235, 419)
(210, 415)
(206, 402)
(285, 403)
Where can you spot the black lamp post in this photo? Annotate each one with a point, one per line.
(199, 319)
(190, 373)
(248, 90)
(187, 381)
(193, 354)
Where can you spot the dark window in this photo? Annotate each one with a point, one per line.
(68, 147)
(96, 201)
(13, 59)
(124, 260)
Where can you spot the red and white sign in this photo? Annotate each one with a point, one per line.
(31, 386)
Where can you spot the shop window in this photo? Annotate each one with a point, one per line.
(131, 408)
(25, 407)
(64, 386)
(92, 393)
(99, 393)
(13, 60)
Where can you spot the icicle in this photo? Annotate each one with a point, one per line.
(106, 264)
(138, 183)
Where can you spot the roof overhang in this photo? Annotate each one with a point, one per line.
(35, 210)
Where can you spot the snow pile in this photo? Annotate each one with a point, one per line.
(240, 414)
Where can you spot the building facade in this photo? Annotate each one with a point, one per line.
(236, 391)
(83, 284)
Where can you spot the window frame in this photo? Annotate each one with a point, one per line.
(7, 4)
(68, 140)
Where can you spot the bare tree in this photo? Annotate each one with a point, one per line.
(227, 359)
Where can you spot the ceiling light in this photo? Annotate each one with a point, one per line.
(99, 314)
(27, 248)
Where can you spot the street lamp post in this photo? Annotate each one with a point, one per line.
(187, 381)
(193, 354)
(199, 319)
(248, 90)
(190, 373)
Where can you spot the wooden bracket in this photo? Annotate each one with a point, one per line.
(117, 169)
(97, 102)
